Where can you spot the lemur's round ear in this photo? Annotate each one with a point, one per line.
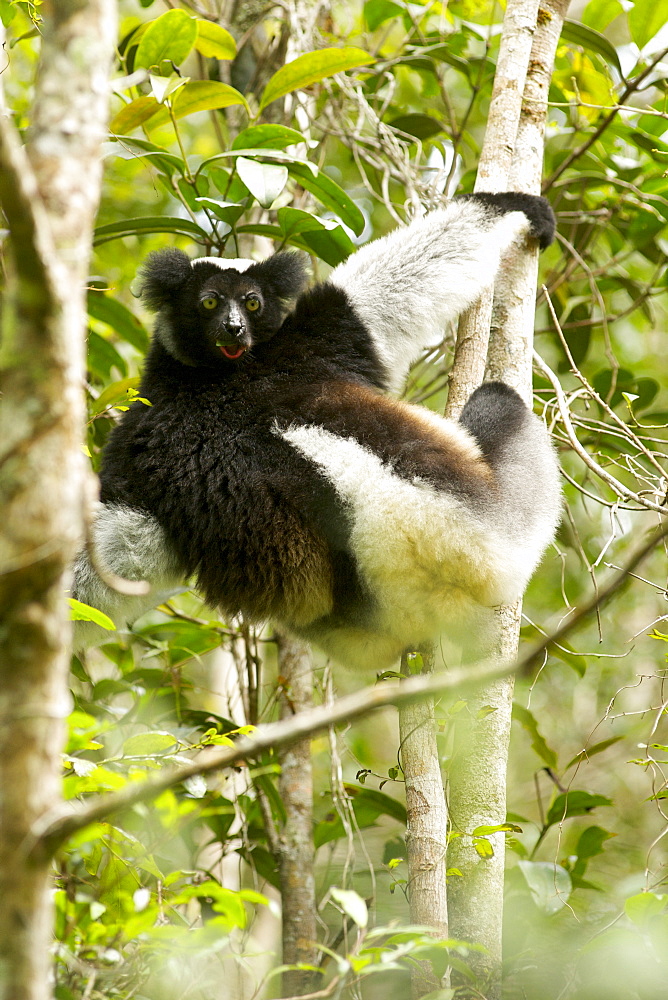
(162, 273)
(285, 273)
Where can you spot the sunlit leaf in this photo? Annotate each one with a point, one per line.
(267, 136)
(205, 95)
(646, 18)
(134, 114)
(213, 41)
(146, 744)
(378, 11)
(80, 612)
(310, 68)
(169, 38)
(352, 905)
(265, 181)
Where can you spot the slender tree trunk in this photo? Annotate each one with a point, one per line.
(512, 157)
(49, 195)
(426, 824)
(295, 841)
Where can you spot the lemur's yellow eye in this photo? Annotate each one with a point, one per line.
(210, 302)
(252, 304)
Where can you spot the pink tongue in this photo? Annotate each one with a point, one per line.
(233, 352)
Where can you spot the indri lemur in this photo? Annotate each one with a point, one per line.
(272, 468)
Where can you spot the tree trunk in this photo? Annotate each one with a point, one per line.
(49, 195)
(512, 157)
(295, 840)
(426, 823)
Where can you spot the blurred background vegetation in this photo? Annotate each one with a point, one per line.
(241, 127)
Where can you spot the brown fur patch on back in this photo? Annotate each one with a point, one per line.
(415, 442)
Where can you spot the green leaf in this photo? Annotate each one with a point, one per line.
(646, 18)
(352, 905)
(593, 750)
(228, 211)
(550, 884)
(265, 181)
(167, 39)
(130, 147)
(329, 193)
(528, 721)
(591, 842)
(574, 803)
(117, 392)
(267, 136)
(213, 41)
(331, 245)
(146, 744)
(295, 220)
(421, 126)
(642, 907)
(589, 38)
(378, 11)
(483, 847)
(80, 612)
(133, 115)
(312, 67)
(599, 13)
(112, 312)
(205, 95)
(103, 356)
(150, 224)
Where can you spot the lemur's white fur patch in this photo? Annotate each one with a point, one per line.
(425, 556)
(226, 263)
(408, 286)
(132, 545)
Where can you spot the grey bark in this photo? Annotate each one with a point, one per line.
(426, 825)
(49, 194)
(478, 774)
(295, 841)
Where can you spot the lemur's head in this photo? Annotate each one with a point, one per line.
(211, 309)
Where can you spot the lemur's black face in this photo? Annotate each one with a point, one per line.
(212, 315)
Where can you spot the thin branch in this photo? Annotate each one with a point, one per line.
(54, 830)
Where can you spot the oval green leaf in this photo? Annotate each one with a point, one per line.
(646, 18)
(150, 224)
(119, 318)
(312, 67)
(145, 744)
(550, 884)
(329, 193)
(133, 115)
(213, 41)
(205, 95)
(352, 905)
(589, 38)
(265, 181)
(80, 612)
(267, 137)
(170, 37)
(418, 125)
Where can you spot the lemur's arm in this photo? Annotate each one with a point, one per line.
(408, 285)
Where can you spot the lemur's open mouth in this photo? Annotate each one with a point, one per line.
(232, 351)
